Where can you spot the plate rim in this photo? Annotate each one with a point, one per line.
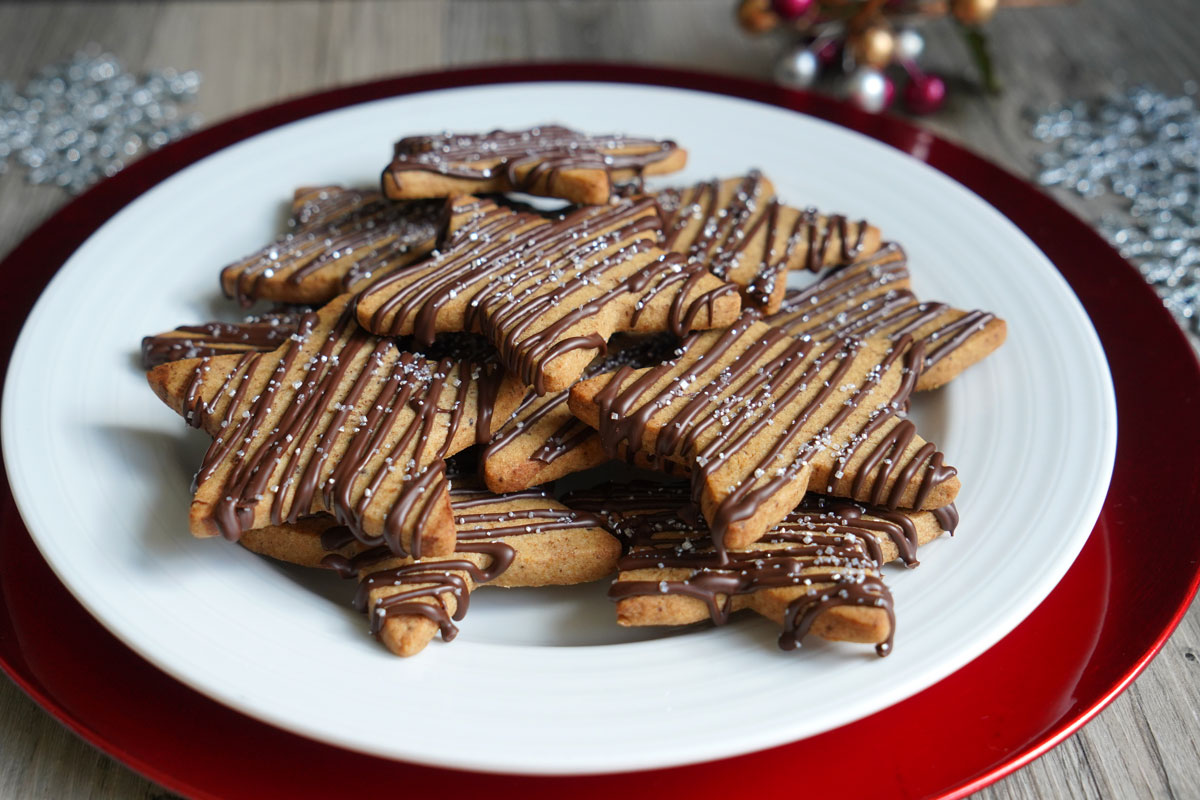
(286, 112)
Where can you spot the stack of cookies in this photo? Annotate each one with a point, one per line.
(437, 354)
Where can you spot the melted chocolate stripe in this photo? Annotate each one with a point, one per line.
(335, 225)
(571, 432)
(860, 300)
(481, 532)
(517, 268)
(726, 229)
(218, 338)
(528, 159)
(720, 420)
(288, 466)
(827, 550)
(664, 531)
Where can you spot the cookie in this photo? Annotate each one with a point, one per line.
(544, 441)
(520, 539)
(817, 571)
(549, 160)
(797, 575)
(308, 541)
(873, 297)
(337, 239)
(749, 237)
(261, 333)
(335, 420)
(540, 541)
(759, 417)
(549, 294)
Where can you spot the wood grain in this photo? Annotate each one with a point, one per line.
(254, 53)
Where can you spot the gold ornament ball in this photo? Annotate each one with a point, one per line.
(756, 16)
(874, 46)
(973, 12)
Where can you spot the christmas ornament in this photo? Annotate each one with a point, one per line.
(924, 93)
(83, 119)
(829, 52)
(874, 34)
(870, 89)
(874, 46)
(909, 44)
(973, 12)
(1142, 147)
(791, 9)
(799, 69)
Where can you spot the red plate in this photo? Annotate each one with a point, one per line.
(1095, 632)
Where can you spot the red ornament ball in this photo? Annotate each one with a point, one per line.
(925, 94)
(829, 52)
(791, 9)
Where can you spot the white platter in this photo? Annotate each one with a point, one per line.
(540, 681)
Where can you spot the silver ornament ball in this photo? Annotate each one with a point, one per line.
(909, 44)
(798, 69)
(868, 89)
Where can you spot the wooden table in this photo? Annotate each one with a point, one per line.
(253, 53)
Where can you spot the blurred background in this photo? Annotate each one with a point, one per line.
(1092, 100)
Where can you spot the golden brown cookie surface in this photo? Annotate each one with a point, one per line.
(749, 237)
(261, 333)
(518, 539)
(817, 571)
(544, 441)
(873, 297)
(338, 238)
(549, 160)
(335, 420)
(758, 416)
(549, 294)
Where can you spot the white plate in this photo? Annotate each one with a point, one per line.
(540, 681)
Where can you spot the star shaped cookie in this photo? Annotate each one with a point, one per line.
(873, 297)
(749, 237)
(519, 539)
(758, 417)
(548, 294)
(816, 572)
(335, 420)
(549, 160)
(337, 239)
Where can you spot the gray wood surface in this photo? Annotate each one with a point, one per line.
(254, 53)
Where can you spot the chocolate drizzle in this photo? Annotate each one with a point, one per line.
(515, 270)
(361, 232)
(361, 430)
(871, 297)
(828, 548)
(486, 524)
(530, 160)
(262, 333)
(732, 419)
(571, 432)
(724, 230)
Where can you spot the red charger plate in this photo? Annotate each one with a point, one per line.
(1083, 645)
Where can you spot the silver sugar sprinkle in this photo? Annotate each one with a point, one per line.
(85, 118)
(1142, 149)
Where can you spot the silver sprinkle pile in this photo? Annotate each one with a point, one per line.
(1142, 148)
(84, 119)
